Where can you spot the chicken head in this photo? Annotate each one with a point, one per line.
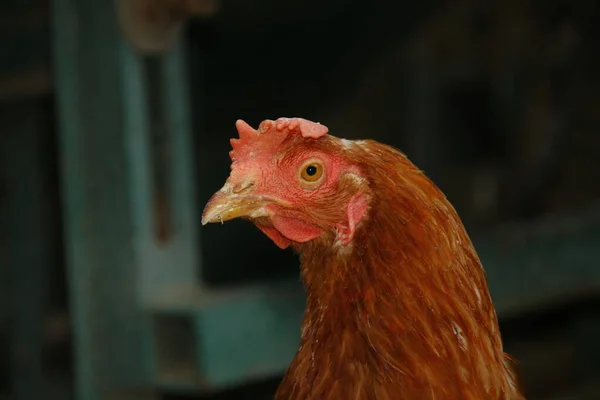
(293, 181)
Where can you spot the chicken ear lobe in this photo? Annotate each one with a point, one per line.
(356, 210)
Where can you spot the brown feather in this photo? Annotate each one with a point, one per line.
(405, 313)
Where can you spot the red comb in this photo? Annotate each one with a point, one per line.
(248, 136)
(241, 146)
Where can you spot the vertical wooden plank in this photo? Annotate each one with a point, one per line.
(117, 264)
(171, 263)
(65, 29)
(176, 102)
(96, 169)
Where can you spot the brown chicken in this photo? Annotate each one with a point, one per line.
(398, 305)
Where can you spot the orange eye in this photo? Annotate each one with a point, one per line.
(312, 172)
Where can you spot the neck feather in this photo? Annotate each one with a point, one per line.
(407, 306)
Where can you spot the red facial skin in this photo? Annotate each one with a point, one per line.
(274, 167)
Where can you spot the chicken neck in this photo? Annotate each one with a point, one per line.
(404, 313)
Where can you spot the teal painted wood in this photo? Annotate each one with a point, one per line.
(250, 338)
(542, 263)
(174, 262)
(116, 263)
(241, 334)
(107, 319)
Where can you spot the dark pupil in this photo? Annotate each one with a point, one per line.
(311, 170)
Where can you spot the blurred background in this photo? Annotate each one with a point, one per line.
(115, 119)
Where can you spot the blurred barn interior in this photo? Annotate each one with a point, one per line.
(115, 118)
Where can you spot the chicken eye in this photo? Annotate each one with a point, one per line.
(312, 172)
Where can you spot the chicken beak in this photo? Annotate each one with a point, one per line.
(226, 205)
